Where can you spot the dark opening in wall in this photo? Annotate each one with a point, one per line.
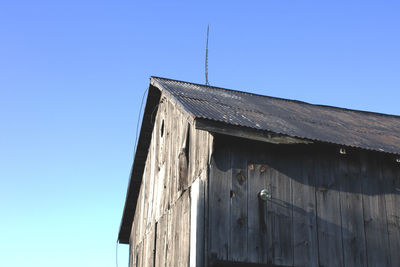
(162, 128)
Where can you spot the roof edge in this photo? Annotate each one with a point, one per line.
(247, 132)
(153, 98)
(228, 129)
(273, 97)
(155, 83)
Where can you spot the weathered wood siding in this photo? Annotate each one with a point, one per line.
(327, 209)
(164, 229)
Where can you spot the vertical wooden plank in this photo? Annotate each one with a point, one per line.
(177, 226)
(161, 241)
(159, 192)
(202, 154)
(171, 237)
(238, 218)
(280, 211)
(197, 152)
(259, 175)
(192, 152)
(148, 253)
(131, 256)
(392, 197)
(178, 152)
(328, 212)
(139, 255)
(132, 242)
(147, 249)
(375, 222)
(173, 183)
(163, 130)
(178, 232)
(206, 179)
(166, 168)
(158, 163)
(183, 164)
(139, 215)
(197, 223)
(151, 176)
(183, 246)
(142, 196)
(305, 239)
(219, 203)
(146, 195)
(348, 173)
(179, 239)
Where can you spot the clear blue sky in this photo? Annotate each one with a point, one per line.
(72, 74)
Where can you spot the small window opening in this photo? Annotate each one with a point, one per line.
(187, 144)
(162, 128)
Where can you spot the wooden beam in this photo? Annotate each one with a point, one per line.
(246, 132)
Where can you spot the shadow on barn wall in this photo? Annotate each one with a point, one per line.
(325, 208)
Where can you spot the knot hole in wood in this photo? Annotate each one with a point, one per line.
(262, 168)
(241, 177)
(251, 167)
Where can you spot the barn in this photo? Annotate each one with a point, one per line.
(228, 178)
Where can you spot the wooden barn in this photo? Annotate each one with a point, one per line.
(227, 178)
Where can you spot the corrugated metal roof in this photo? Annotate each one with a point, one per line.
(341, 126)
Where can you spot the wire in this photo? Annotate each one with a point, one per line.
(138, 121)
(116, 253)
(137, 137)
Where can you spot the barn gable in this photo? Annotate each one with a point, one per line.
(197, 120)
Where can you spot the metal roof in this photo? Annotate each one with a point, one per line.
(361, 129)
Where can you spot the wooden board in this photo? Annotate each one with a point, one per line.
(238, 204)
(152, 178)
(193, 148)
(305, 239)
(139, 255)
(143, 206)
(280, 212)
(391, 176)
(159, 165)
(184, 244)
(148, 248)
(173, 169)
(165, 163)
(328, 212)
(183, 157)
(352, 214)
(220, 184)
(161, 241)
(376, 231)
(197, 223)
(258, 237)
(131, 256)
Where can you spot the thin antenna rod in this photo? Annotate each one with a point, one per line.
(208, 28)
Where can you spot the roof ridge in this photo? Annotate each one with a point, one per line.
(280, 98)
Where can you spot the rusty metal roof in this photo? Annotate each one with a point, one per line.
(361, 129)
